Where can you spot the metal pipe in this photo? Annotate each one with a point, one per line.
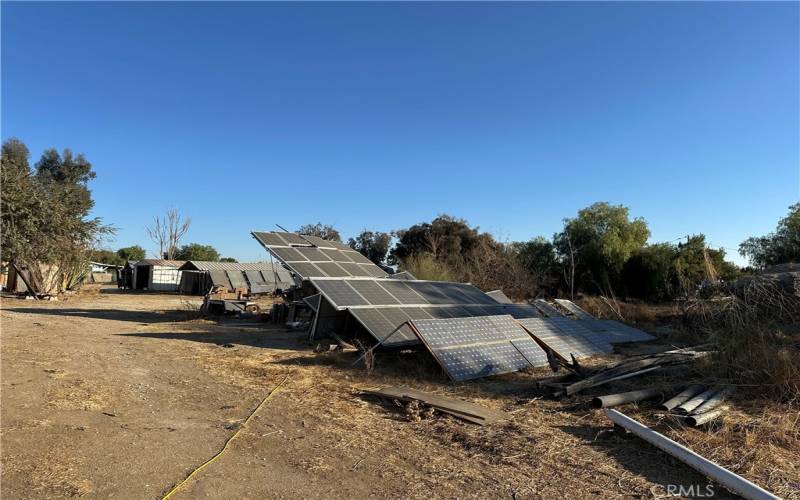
(696, 401)
(733, 482)
(624, 397)
(695, 420)
(713, 401)
(682, 397)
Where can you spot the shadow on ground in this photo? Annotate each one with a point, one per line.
(108, 314)
(233, 334)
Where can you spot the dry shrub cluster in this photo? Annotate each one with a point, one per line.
(489, 266)
(756, 329)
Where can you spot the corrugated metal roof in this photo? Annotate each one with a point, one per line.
(202, 265)
(160, 262)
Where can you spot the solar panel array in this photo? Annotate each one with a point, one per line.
(474, 347)
(383, 305)
(312, 257)
(567, 337)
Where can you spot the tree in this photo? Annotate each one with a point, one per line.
(45, 215)
(595, 244)
(373, 245)
(196, 251)
(650, 272)
(320, 230)
(446, 238)
(782, 245)
(132, 253)
(538, 258)
(228, 259)
(167, 231)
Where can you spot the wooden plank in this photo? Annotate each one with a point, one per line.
(453, 406)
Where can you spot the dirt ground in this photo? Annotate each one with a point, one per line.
(122, 395)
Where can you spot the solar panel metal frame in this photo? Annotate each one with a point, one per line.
(500, 297)
(546, 308)
(574, 308)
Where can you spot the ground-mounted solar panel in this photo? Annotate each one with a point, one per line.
(564, 340)
(307, 269)
(389, 326)
(431, 291)
(319, 242)
(499, 296)
(355, 270)
(574, 309)
(469, 348)
(402, 292)
(402, 275)
(374, 293)
(336, 255)
(521, 311)
(313, 254)
(288, 254)
(293, 250)
(416, 313)
(616, 332)
(339, 293)
(293, 238)
(357, 257)
(332, 269)
(373, 270)
(596, 340)
(546, 308)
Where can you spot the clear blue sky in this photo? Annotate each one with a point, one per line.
(379, 116)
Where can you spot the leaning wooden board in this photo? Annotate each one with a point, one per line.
(458, 408)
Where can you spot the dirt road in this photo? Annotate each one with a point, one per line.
(119, 395)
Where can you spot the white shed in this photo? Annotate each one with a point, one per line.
(157, 275)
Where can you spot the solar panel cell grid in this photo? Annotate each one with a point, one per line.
(336, 255)
(340, 293)
(270, 239)
(402, 292)
(466, 363)
(292, 238)
(357, 257)
(307, 269)
(373, 292)
(332, 269)
(313, 254)
(373, 270)
(288, 254)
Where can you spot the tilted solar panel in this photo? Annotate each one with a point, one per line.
(294, 250)
(564, 342)
(546, 308)
(469, 348)
(574, 308)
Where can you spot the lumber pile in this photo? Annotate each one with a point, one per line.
(632, 367)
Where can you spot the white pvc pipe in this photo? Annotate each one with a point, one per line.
(733, 482)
